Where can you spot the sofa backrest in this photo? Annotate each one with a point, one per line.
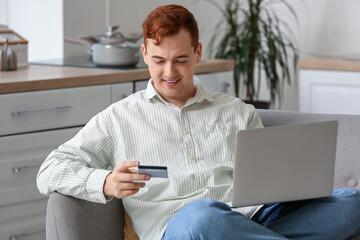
(347, 168)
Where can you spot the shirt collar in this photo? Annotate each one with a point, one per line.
(201, 93)
(150, 91)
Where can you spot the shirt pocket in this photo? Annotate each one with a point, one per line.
(218, 142)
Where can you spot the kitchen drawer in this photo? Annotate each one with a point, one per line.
(218, 82)
(20, 159)
(21, 170)
(32, 228)
(20, 194)
(51, 109)
(23, 210)
(121, 90)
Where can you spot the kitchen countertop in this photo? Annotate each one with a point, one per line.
(40, 77)
(350, 63)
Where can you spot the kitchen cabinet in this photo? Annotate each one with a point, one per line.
(22, 207)
(329, 86)
(40, 110)
(121, 90)
(140, 85)
(24, 229)
(32, 125)
(219, 82)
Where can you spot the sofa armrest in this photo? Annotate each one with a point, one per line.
(71, 218)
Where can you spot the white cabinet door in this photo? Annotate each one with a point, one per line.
(18, 211)
(140, 85)
(218, 82)
(121, 90)
(329, 92)
(22, 207)
(20, 159)
(24, 229)
(50, 109)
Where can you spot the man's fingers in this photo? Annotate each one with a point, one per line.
(130, 177)
(124, 166)
(126, 172)
(124, 180)
(132, 170)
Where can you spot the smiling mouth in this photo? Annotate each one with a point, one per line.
(171, 82)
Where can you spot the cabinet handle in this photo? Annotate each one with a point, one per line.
(225, 87)
(25, 113)
(21, 236)
(21, 169)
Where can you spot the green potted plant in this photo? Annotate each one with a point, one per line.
(259, 42)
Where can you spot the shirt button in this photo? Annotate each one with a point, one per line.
(98, 200)
(191, 157)
(222, 127)
(186, 131)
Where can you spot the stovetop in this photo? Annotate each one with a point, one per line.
(85, 62)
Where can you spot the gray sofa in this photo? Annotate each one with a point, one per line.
(70, 218)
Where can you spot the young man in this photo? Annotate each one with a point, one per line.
(177, 123)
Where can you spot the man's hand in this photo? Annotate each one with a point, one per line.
(120, 183)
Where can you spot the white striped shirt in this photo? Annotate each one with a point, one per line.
(196, 143)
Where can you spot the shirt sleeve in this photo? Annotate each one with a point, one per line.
(254, 120)
(79, 166)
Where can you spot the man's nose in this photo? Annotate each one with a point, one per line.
(170, 70)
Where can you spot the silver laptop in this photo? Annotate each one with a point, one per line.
(284, 163)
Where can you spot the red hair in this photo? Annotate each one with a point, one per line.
(168, 20)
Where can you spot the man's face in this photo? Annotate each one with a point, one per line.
(172, 65)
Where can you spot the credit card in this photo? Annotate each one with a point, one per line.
(154, 171)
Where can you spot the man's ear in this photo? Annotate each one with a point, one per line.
(198, 52)
(144, 53)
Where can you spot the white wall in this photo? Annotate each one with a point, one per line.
(39, 22)
(3, 12)
(129, 15)
(329, 27)
(326, 28)
(82, 17)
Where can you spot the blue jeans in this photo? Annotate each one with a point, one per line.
(335, 217)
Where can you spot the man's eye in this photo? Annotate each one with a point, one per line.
(181, 62)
